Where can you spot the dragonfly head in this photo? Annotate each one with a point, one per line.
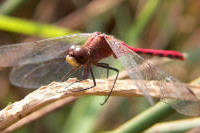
(77, 56)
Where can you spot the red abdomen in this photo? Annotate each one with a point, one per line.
(161, 53)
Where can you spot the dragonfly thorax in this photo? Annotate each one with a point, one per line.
(77, 55)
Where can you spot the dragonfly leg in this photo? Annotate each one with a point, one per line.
(89, 69)
(70, 73)
(67, 75)
(86, 73)
(109, 68)
(84, 77)
(106, 66)
(192, 93)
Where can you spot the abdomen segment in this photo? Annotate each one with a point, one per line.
(161, 53)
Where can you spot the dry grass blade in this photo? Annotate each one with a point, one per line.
(49, 108)
(176, 126)
(56, 91)
(39, 113)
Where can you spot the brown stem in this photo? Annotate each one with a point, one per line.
(56, 91)
(39, 113)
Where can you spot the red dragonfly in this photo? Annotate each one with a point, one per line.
(41, 62)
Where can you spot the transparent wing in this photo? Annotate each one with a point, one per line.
(38, 51)
(140, 69)
(36, 75)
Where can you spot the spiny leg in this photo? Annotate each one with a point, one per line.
(93, 78)
(86, 73)
(68, 74)
(192, 93)
(84, 76)
(111, 68)
(107, 67)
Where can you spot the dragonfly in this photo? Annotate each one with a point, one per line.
(41, 62)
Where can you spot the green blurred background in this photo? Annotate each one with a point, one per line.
(169, 24)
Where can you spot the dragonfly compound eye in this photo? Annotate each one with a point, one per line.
(77, 56)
